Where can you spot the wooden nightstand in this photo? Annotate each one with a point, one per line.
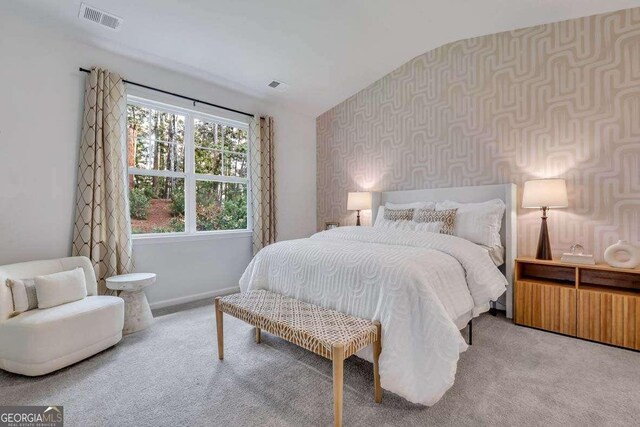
(594, 302)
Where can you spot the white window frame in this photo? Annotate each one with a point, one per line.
(191, 177)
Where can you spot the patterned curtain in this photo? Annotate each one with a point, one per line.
(262, 182)
(102, 228)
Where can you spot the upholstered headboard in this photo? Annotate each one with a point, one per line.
(471, 194)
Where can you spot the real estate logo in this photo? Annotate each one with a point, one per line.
(31, 416)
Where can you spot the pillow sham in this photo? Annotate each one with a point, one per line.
(496, 253)
(61, 288)
(414, 205)
(23, 292)
(447, 217)
(397, 225)
(432, 227)
(477, 222)
(379, 217)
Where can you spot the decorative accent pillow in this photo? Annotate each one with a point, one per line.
(414, 205)
(24, 295)
(381, 222)
(61, 288)
(398, 214)
(446, 217)
(478, 222)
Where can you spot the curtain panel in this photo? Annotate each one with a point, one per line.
(102, 230)
(263, 202)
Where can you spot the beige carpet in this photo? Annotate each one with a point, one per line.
(169, 376)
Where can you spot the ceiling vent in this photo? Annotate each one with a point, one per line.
(278, 85)
(100, 17)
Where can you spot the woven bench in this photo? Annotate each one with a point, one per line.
(326, 332)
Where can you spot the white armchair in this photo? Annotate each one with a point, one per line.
(40, 341)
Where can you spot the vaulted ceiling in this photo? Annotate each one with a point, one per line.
(325, 50)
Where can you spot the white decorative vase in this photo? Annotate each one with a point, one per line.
(611, 255)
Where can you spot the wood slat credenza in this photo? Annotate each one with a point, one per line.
(594, 302)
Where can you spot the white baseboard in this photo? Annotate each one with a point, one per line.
(194, 297)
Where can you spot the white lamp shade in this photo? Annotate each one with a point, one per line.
(357, 201)
(548, 193)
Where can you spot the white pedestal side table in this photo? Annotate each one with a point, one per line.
(137, 313)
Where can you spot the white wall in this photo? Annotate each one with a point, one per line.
(41, 92)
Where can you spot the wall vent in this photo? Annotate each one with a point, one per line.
(100, 17)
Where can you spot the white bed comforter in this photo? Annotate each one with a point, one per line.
(415, 283)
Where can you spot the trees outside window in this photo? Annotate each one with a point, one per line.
(187, 170)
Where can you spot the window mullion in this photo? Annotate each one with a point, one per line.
(190, 184)
(221, 178)
(157, 173)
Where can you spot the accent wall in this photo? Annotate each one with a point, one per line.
(555, 100)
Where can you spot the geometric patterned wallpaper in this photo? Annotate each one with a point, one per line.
(555, 100)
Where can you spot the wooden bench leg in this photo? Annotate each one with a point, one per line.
(338, 370)
(258, 335)
(219, 328)
(377, 349)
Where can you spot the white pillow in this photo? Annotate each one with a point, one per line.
(379, 217)
(496, 254)
(432, 227)
(24, 295)
(477, 222)
(413, 205)
(60, 288)
(397, 225)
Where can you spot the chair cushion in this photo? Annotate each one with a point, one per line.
(38, 336)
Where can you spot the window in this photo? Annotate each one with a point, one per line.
(188, 171)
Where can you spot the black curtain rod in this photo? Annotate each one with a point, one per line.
(84, 70)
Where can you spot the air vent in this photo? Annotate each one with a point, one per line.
(278, 85)
(100, 17)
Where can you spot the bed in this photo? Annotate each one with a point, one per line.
(423, 286)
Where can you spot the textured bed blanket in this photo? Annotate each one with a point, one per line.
(415, 283)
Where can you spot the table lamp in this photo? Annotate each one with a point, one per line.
(545, 194)
(357, 201)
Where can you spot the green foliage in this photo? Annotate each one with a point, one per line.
(207, 217)
(212, 214)
(177, 203)
(220, 149)
(138, 204)
(156, 142)
(234, 214)
(148, 190)
(163, 230)
(177, 224)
